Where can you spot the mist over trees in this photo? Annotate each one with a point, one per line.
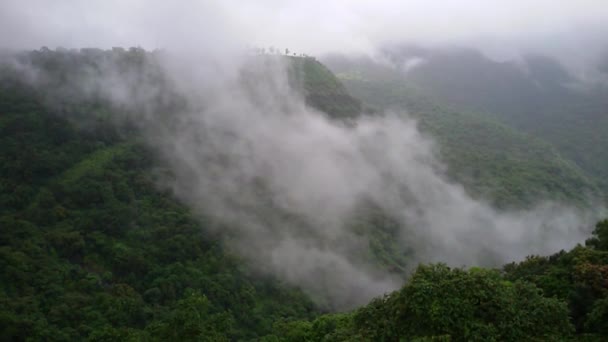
(436, 172)
(91, 178)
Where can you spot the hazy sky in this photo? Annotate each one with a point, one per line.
(313, 26)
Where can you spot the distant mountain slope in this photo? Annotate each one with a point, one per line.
(535, 95)
(491, 159)
(322, 89)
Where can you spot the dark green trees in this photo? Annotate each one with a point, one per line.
(600, 236)
(459, 305)
(578, 277)
(440, 303)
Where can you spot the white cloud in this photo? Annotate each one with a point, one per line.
(315, 26)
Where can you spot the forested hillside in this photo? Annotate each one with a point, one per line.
(323, 90)
(535, 95)
(92, 247)
(495, 161)
(562, 297)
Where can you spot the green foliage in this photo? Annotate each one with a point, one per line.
(90, 249)
(322, 89)
(492, 159)
(600, 238)
(193, 320)
(579, 277)
(474, 305)
(597, 320)
(444, 304)
(329, 327)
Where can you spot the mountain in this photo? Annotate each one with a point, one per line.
(322, 89)
(560, 297)
(508, 166)
(92, 248)
(535, 95)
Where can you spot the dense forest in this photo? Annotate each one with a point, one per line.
(532, 102)
(92, 248)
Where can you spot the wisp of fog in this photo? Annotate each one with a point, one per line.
(285, 180)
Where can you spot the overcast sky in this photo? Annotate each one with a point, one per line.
(312, 26)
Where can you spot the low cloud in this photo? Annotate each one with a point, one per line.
(285, 181)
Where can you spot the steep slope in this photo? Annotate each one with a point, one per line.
(535, 95)
(91, 249)
(322, 89)
(493, 160)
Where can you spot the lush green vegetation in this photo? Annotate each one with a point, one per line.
(492, 159)
(535, 95)
(539, 96)
(91, 249)
(578, 277)
(557, 298)
(443, 304)
(322, 89)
